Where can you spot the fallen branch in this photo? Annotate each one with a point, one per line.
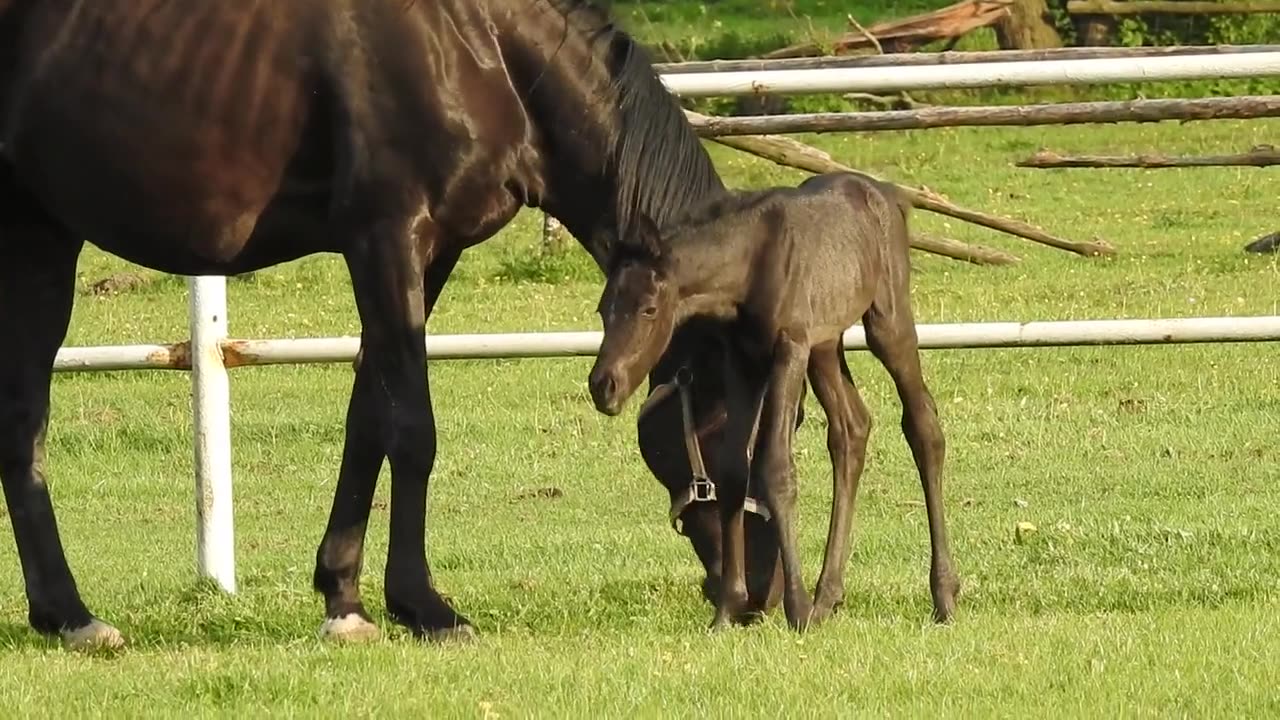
(949, 22)
(954, 58)
(1262, 156)
(785, 151)
(1171, 7)
(900, 101)
(1140, 111)
(976, 254)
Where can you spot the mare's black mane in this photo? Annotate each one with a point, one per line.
(662, 168)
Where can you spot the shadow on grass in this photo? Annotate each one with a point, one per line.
(204, 617)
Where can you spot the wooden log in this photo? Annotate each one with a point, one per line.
(554, 236)
(1263, 156)
(789, 152)
(1214, 108)
(954, 57)
(1170, 7)
(976, 254)
(1094, 30)
(952, 21)
(1026, 27)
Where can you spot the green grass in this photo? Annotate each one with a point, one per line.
(1151, 473)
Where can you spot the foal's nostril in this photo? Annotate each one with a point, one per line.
(604, 390)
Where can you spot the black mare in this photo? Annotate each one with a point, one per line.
(224, 136)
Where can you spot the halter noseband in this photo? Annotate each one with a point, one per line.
(700, 489)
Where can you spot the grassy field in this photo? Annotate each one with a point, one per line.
(1151, 473)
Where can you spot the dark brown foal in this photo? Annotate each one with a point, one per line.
(787, 270)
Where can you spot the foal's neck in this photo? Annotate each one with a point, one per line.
(711, 266)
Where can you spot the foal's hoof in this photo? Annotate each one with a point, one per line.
(456, 634)
(803, 616)
(945, 592)
(95, 636)
(350, 628)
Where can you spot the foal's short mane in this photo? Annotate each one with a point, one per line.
(662, 168)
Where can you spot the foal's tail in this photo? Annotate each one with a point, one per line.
(899, 198)
(897, 228)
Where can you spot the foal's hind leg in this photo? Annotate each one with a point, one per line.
(891, 336)
(848, 425)
(37, 285)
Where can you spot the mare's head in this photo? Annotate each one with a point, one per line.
(621, 158)
(661, 431)
(638, 311)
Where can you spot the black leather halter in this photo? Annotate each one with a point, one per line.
(700, 489)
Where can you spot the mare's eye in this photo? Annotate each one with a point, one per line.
(650, 311)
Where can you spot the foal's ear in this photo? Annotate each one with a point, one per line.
(646, 238)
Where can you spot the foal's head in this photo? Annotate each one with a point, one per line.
(638, 310)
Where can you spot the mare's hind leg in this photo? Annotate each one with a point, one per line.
(775, 470)
(891, 336)
(37, 285)
(339, 558)
(848, 425)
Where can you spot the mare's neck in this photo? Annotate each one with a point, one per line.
(613, 141)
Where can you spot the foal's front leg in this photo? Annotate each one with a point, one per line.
(775, 471)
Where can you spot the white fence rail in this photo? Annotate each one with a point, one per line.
(974, 75)
(480, 346)
(209, 352)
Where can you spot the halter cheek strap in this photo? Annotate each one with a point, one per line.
(700, 489)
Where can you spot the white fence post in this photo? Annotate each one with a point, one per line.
(211, 418)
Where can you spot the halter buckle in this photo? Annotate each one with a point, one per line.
(703, 489)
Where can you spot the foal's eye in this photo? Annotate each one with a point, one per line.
(650, 311)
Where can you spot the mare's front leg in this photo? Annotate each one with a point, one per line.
(340, 557)
(743, 395)
(775, 472)
(37, 288)
(387, 261)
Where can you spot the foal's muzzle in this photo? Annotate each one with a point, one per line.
(605, 391)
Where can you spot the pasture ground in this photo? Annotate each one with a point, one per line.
(1152, 474)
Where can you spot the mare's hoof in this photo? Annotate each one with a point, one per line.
(95, 636)
(350, 628)
(458, 634)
